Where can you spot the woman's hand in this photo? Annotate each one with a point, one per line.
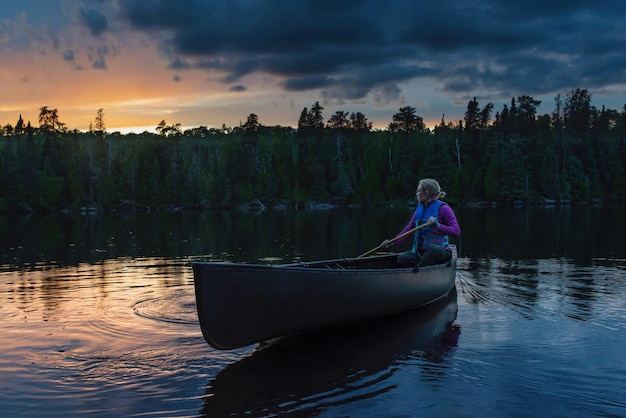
(433, 221)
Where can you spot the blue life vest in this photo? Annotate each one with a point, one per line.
(428, 235)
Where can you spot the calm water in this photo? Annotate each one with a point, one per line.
(97, 316)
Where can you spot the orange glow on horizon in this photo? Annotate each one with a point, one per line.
(137, 91)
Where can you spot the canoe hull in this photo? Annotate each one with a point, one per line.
(241, 304)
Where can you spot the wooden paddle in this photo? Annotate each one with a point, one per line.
(395, 239)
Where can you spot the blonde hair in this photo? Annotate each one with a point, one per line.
(432, 187)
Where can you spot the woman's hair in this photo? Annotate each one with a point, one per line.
(432, 187)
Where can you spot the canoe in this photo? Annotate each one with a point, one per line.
(243, 304)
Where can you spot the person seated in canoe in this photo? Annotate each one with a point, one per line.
(437, 222)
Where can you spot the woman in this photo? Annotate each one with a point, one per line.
(430, 243)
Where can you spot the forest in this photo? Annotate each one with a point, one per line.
(515, 156)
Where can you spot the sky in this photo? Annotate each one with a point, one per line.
(214, 62)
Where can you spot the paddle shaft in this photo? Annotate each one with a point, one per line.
(395, 239)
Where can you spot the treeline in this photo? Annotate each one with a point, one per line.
(576, 153)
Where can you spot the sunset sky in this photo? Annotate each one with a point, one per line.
(214, 62)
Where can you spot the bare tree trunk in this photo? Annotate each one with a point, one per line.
(110, 155)
(390, 163)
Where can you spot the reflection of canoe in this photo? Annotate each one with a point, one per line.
(311, 373)
(241, 304)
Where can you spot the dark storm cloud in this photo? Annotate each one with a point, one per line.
(94, 20)
(68, 55)
(98, 56)
(352, 48)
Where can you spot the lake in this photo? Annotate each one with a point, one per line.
(97, 317)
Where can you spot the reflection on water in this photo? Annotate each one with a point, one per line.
(306, 374)
(97, 316)
(271, 237)
(574, 233)
(557, 330)
(552, 288)
(121, 335)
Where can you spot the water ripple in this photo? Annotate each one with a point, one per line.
(549, 288)
(121, 335)
(175, 307)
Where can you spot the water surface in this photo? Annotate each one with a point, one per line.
(97, 316)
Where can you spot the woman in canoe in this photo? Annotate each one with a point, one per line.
(430, 243)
